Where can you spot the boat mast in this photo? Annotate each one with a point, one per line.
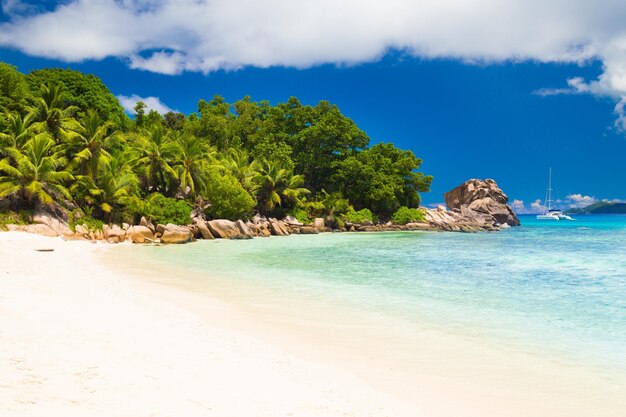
(549, 197)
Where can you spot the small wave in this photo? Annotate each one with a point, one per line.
(583, 228)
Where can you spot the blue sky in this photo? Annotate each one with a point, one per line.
(506, 112)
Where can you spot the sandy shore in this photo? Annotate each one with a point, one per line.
(80, 338)
(77, 340)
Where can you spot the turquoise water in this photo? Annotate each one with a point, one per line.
(545, 286)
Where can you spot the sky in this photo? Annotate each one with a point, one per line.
(500, 89)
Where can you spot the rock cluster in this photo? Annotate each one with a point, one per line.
(475, 205)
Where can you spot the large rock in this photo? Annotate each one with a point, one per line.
(481, 202)
(176, 234)
(318, 223)
(246, 232)
(140, 234)
(223, 229)
(112, 234)
(204, 230)
(278, 228)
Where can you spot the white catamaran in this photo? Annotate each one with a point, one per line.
(550, 213)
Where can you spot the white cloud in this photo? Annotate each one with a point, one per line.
(579, 200)
(520, 207)
(171, 36)
(537, 206)
(152, 103)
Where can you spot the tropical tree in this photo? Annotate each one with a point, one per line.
(88, 140)
(193, 163)
(156, 155)
(18, 131)
(114, 187)
(50, 113)
(277, 185)
(238, 164)
(35, 171)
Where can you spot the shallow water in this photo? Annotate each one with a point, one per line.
(546, 287)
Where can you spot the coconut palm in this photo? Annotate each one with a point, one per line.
(238, 164)
(19, 130)
(156, 154)
(193, 162)
(50, 113)
(113, 188)
(34, 172)
(277, 185)
(88, 140)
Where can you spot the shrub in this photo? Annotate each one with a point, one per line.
(13, 217)
(301, 215)
(406, 215)
(228, 199)
(361, 216)
(163, 210)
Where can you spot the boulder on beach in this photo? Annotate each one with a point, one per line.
(481, 201)
(140, 234)
(176, 234)
(223, 229)
(203, 228)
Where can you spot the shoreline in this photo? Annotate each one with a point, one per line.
(449, 377)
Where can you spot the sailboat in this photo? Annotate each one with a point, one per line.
(550, 213)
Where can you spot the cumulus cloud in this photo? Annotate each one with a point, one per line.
(172, 36)
(152, 103)
(520, 207)
(579, 200)
(537, 206)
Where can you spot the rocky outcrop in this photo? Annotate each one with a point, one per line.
(176, 234)
(140, 234)
(223, 229)
(481, 202)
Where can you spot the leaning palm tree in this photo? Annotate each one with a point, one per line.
(50, 113)
(155, 160)
(87, 142)
(34, 172)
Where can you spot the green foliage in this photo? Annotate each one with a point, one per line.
(163, 210)
(13, 217)
(64, 139)
(406, 215)
(301, 215)
(361, 216)
(85, 219)
(14, 90)
(85, 91)
(228, 199)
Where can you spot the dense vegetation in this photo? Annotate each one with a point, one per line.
(66, 143)
(601, 207)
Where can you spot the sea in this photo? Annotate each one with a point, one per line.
(553, 288)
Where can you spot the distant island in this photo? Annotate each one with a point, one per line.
(601, 207)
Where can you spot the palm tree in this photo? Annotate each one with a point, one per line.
(113, 188)
(19, 130)
(50, 113)
(277, 184)
(35, 173)
(238, 164)
(193, 163)
(88, 140)
(156, 155)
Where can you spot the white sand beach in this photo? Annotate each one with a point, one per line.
(80, 338)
